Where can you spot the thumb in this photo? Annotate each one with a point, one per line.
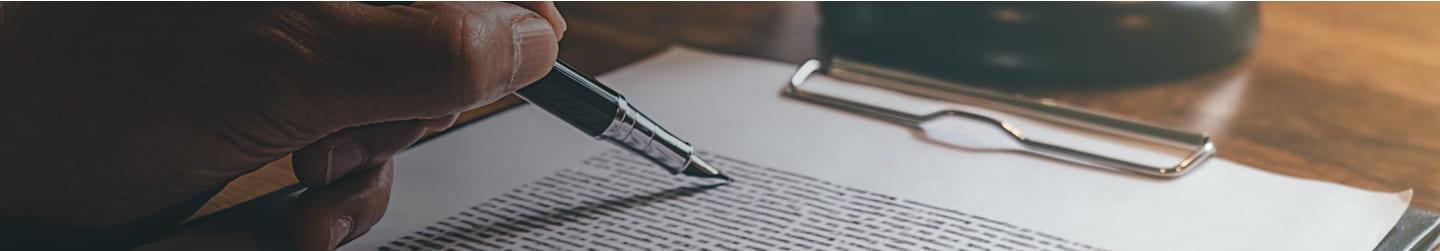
(431, 59)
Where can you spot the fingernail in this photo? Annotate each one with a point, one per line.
(338, 230)
(535, 50)
(342, 158)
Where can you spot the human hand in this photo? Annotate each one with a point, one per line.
(117, 111)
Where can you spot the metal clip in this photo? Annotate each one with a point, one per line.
(1200, 149)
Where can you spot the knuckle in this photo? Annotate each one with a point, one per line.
(291, 32)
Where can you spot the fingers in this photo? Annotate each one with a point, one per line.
(435, 58)
(421, 65)
(349, 174)
(336, 155)
(329, 216)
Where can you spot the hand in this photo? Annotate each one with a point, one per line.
(117, 111)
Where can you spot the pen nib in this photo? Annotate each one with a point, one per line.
(699, 168)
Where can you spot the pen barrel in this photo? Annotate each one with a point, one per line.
(599, 111)
(566, 94)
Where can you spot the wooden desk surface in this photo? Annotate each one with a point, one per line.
(1342, 92)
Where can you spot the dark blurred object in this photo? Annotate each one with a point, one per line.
(1042, 44)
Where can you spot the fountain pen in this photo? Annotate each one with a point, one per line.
(601, 112)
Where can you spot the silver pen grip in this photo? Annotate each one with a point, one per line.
(637, 133)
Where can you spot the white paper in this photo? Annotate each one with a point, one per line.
(730, 106)
(611, 203)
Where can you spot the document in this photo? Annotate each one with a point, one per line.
(614, 202)
(813, 178)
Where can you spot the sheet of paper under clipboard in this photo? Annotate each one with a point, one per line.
(729, 107)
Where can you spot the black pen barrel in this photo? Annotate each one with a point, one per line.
(573, 97)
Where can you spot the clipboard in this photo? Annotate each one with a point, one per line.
(1417, 229)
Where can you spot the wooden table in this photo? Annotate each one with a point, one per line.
(1342, 92)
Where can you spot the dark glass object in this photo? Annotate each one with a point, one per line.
(1042, 44)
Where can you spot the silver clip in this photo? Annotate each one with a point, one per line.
(1200, 147)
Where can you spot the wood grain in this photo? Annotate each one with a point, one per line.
(1342, 92)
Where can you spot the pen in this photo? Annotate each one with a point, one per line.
(601, 112)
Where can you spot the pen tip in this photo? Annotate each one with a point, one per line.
(699, 168)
